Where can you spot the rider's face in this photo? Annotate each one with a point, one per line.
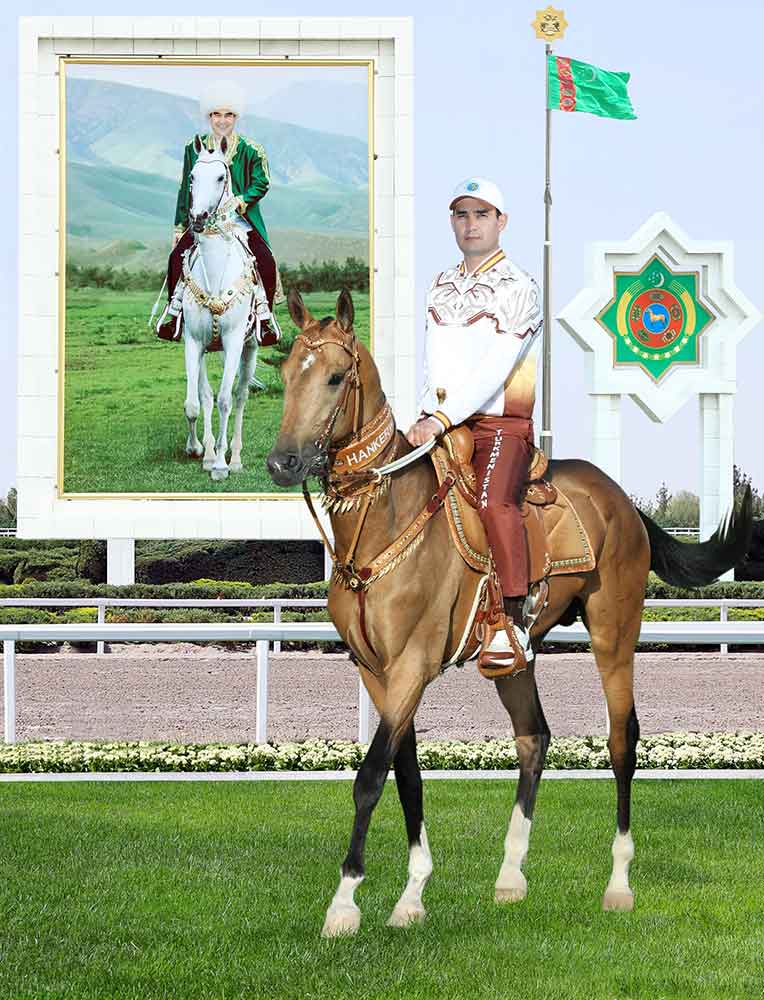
(477, 227)
(222, 122)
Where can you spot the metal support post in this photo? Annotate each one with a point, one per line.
(9, 679)
(101, 621)
(364, 705)
(723, 617)
(276, 621)
(261, 711)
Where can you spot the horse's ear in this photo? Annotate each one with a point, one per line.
(224, 145)
(297, 309)
(345, 311)
(197, 144)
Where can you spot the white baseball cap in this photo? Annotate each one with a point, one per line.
(479, 187)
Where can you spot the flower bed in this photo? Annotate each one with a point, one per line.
(740, 750)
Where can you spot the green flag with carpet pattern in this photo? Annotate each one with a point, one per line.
(579, 86)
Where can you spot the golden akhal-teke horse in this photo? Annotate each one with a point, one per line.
(403, 611)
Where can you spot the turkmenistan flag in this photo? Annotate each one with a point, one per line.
(578, 86)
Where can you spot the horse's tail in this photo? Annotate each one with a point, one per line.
(684, 564)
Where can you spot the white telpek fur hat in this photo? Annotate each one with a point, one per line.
(222, 95)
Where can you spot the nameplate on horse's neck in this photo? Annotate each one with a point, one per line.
(367, 445)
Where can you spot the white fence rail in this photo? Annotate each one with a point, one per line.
(682, 633)
(277, 603)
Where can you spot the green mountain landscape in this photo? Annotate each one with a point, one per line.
(124, 157)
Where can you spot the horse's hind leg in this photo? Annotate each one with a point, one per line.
(205, 393)
(240, 394)
(519, 696)
(397, 705)
(409, 908)
(614, 629)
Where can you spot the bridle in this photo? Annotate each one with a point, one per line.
(216, 220)
(351, 382)
(358, 488)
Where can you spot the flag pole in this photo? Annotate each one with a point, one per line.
(546, 378)
(549, 25)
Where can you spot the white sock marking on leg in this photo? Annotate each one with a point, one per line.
(623, 854)
(511, 877)
(420, 869)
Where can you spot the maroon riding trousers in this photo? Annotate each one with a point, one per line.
(502, 454)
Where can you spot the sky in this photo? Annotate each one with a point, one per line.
(695, 151)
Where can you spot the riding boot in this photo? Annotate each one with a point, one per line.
(170, 325)
(507, 645)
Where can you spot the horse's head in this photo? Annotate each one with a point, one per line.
(331, 385)
(210, 181)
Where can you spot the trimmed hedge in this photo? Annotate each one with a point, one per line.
(740, 750)
(198, 589)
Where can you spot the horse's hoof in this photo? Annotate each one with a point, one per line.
(511, 887)
(235, 467)
(218, 475)
(341, 921)
(194, 452)
(208, 464)
(618, 900)
(406, 914)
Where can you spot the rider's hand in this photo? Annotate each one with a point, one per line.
(423, 430)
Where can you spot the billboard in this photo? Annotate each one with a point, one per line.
(109, 110)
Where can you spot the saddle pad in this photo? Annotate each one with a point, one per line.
(563, 536)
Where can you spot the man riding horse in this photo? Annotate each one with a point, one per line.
(221, 105)
(483, 326)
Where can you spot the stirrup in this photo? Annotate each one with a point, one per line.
(506, 649)
(170, 326)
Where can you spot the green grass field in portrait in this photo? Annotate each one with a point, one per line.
(124, 426)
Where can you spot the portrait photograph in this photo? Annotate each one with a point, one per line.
(194, 197)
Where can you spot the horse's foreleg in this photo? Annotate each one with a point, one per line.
(208, 401)
(409, 908)
(241, 392)
(343, 915)
(232, 349)
(613, 642)
(519, 696)
(191, 408)
(403, 691)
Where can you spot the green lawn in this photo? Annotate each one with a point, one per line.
(125, 430)
(219, 891)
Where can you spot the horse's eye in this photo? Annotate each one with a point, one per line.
(336, 378)
(222, 177)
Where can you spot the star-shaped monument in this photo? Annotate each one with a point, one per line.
(660, 318)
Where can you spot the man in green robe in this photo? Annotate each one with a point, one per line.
(222, 105)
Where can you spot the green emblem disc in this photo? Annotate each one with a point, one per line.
(655, 318)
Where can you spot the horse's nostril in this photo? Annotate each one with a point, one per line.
(292, 462)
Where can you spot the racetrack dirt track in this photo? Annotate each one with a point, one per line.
(188, 693)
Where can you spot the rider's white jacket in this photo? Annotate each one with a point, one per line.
(482, 342)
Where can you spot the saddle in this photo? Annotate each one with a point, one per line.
(556, 537)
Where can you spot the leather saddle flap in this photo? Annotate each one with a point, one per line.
(557, 539)
(460, 504)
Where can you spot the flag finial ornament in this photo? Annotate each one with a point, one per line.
(549, 24)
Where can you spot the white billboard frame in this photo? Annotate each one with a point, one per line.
(44, 42)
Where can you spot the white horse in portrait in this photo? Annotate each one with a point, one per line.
(222, 298)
